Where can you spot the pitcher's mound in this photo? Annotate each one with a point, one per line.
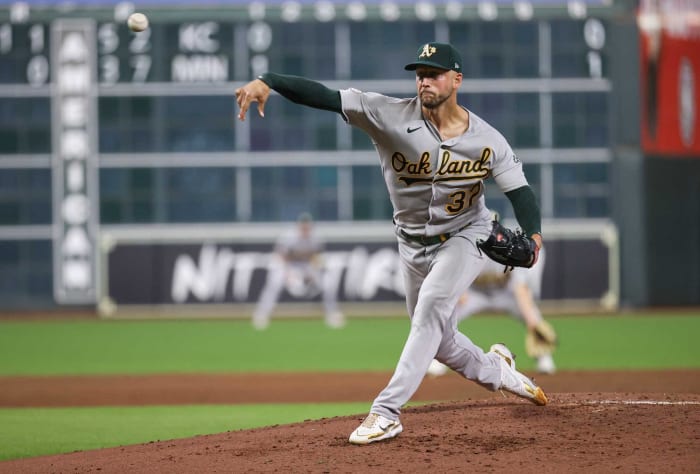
(581, 432)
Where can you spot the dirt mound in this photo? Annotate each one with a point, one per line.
(613, 421)
(178, 389)
(576, 432)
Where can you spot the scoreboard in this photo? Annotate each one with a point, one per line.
(229, 41)
(67, 58)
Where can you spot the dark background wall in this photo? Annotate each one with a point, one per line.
(655, 198)
(672, 229)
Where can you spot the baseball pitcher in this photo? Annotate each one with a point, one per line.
(435, 155)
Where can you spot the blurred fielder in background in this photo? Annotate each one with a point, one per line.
(297, 265)
(517, 292)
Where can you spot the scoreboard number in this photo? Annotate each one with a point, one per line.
(140, 42)
(110, 64)
(38, 71)
(5, 38)
(108, 38)
(36, 39)
(37, 67)
(594, 36)
(109, 69)
(141, 65)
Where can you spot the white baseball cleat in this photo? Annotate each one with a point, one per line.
(335, 320)
(513, 381)
(545, 364)
(437, 368)
(260, 322)
(375, 428)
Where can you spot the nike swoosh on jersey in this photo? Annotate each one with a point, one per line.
(411, 130)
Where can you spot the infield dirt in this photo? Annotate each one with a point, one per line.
(622, 422)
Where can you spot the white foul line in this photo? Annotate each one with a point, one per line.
(640, 402)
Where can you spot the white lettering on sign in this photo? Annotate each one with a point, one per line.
(380, 273)
(77, 274)
(74, 111)
(75, 209)
(199, 68)
(74, 79)
(206, 278)
(244, 266)
(73, 59)
(75, 144)
(75, 176)
(76, 242)
(367, 274)
(73, 49)
(198, 279)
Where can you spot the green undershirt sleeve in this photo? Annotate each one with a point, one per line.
(303, 91)
(527, 211)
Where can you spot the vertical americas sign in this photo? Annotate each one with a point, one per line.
(74, 167)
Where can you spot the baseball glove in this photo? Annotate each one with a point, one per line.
(512, 249)
(540, 340)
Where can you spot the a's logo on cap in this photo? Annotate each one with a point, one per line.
(427, 51)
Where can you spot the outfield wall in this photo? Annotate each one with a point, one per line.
(203, 270)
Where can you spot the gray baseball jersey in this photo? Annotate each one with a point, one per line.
(297, 247)
(436, 187)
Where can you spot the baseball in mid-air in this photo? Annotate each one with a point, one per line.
(137, 22)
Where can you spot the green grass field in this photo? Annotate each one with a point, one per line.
(216, 346)
(31, 432)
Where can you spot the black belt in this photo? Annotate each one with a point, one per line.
(433, 239)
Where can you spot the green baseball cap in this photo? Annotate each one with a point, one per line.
(439, 55)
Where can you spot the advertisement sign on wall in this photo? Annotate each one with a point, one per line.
(670, 76)
(214, 273)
